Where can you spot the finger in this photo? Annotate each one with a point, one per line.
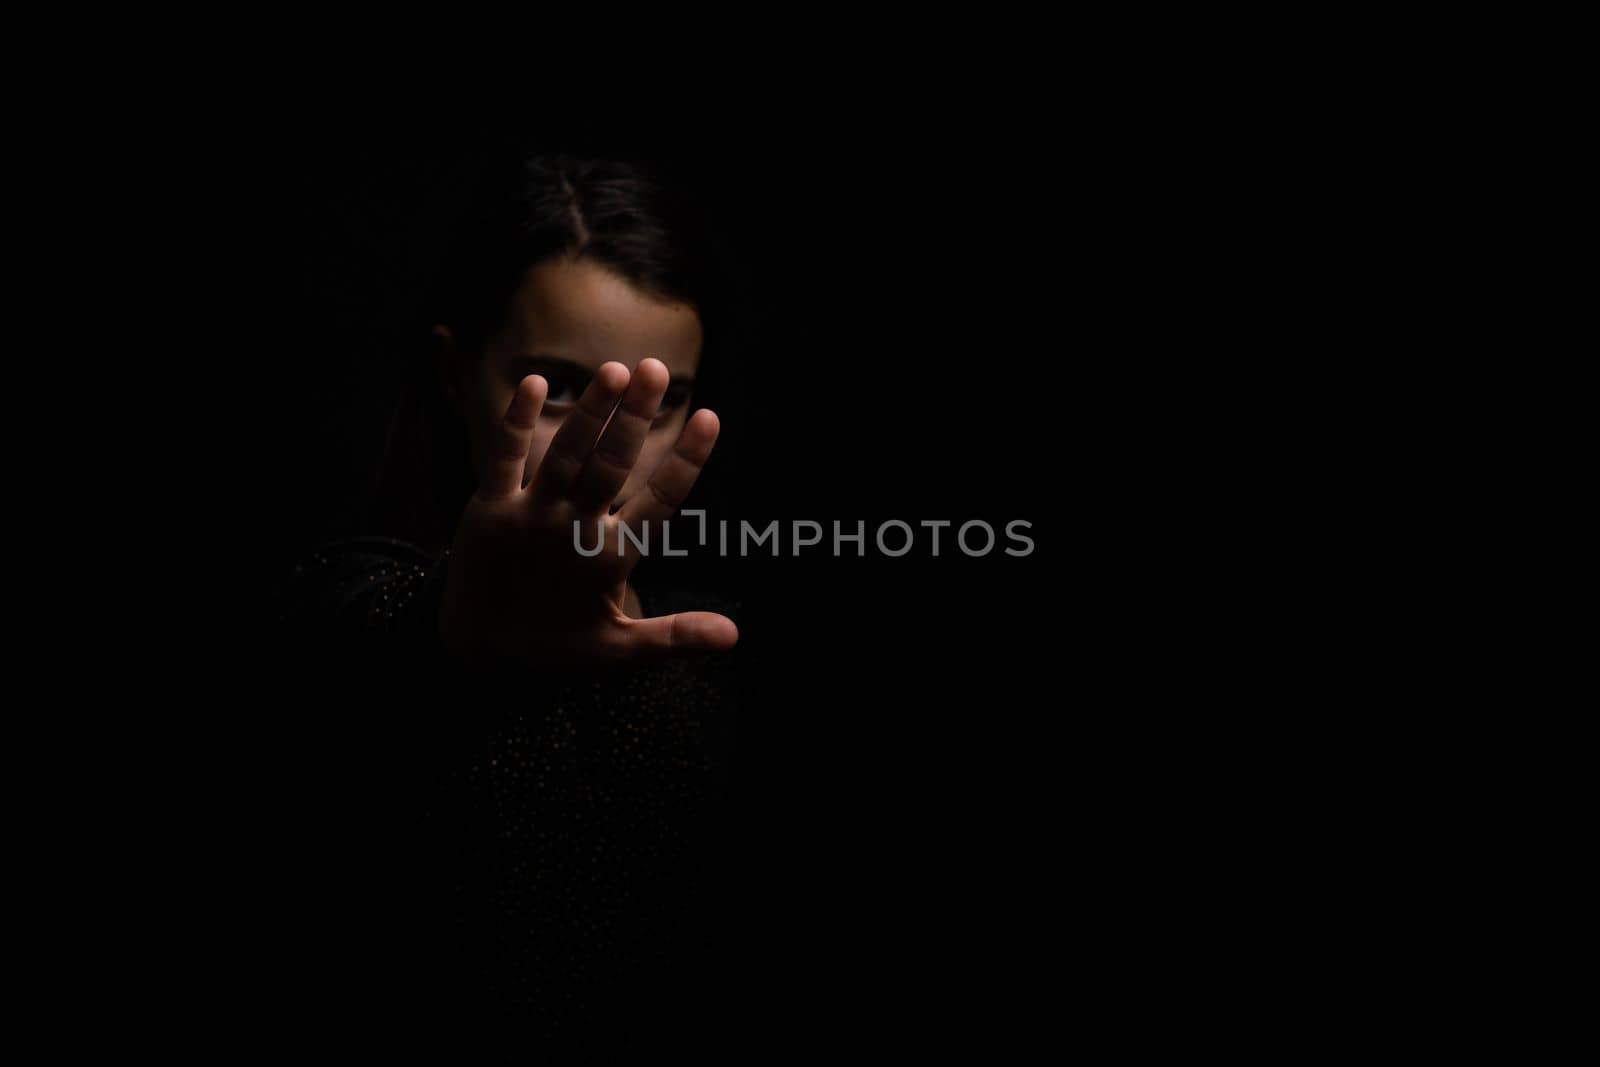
(571, 445)
(685, 633)
(512, 437)
(669, 485)
(617, 450)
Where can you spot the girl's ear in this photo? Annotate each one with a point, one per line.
(450, 367)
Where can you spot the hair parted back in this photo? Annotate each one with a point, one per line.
(617, 213)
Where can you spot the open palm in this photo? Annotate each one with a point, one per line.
(516, 587)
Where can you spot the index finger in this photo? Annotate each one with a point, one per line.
(570, 447)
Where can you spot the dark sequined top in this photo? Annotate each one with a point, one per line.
(475, 853)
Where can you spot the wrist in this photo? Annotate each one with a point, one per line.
(452, 629)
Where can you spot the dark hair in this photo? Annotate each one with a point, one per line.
(635, 218)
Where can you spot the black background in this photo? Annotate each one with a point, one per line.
(943, 312)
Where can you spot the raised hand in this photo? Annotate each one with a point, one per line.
(517, 588)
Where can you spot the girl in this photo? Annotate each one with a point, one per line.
(520, 787)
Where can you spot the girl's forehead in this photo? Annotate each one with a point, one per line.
(580, 312)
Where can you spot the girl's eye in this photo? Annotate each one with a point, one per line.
(676, 396)
(567, 383)
(566, 386)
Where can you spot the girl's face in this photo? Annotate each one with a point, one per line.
(567, 319)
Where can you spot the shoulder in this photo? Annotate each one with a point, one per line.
(348, 556)
(354, 577)
(363, 551)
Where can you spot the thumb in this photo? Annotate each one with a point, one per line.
(681, 634)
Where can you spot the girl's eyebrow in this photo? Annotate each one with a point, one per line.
(544, 357)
